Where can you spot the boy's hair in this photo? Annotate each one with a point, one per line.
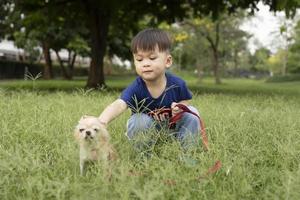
(147, 39)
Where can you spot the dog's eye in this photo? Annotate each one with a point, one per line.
(81, 129)
(95, 129)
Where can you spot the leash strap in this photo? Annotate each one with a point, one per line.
(185, 109)
(174, 119)
(178, 116)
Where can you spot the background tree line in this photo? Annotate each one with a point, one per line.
(206, 34)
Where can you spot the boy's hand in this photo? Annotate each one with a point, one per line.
(175, 109)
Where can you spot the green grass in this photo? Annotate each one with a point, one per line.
(207, 86)
(255, 136)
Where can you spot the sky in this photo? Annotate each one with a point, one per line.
(265, 28)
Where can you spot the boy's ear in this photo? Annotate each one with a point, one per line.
(169, 61)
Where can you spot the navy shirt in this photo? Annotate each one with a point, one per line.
(139, 99)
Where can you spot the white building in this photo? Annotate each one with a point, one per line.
(8, 51)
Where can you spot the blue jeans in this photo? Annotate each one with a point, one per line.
(187, 129)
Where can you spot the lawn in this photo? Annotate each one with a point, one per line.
(253, 128)
(117, 83)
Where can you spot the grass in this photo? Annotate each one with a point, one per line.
(207, 86)
(255, 136)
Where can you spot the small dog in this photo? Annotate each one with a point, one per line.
(94, 143)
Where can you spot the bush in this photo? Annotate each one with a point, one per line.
(286, 78)
(16, 70)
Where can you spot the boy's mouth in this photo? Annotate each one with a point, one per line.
(148, 71)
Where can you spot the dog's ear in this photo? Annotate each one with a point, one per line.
(84, 116)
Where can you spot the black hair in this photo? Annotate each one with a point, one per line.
(147, 39)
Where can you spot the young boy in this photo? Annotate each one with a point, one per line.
(153, 89)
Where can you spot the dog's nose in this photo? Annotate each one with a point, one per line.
(88, 133)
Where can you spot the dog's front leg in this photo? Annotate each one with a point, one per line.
(82, 157)
(81, 167)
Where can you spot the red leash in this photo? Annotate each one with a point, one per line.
(177, 117)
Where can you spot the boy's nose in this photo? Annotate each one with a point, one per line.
(146, 63)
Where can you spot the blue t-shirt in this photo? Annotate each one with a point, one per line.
(139, 99)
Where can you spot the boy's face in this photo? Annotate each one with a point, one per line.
(152, 65)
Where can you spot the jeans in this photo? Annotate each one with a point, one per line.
(187, 129)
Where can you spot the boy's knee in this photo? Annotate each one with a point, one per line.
(189, 118)
(138, 123)
(191, 121)
(189, 127)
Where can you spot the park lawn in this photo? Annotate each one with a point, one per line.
(119, 82)
(254, 133)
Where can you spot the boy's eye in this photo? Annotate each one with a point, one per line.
(152, 58)
(138, 58)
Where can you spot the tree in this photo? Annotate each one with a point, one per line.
(75, 46)
(4, 11)
(274, 62)
(29, 45)
(101, 16)
(293, 64)
(260, 58)
(283, 40)
(234, 42)
(37, 25)
(223, 38)
(73, 40)
(51, 26)
(114, 15)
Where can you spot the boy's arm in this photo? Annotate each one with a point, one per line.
(112, 111)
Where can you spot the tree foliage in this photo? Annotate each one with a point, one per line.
(204, 42)
(260, 58)
(110, 24)
(293, 64)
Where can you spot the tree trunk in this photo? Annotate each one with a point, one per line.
(63, 69)
(98, 23)
(47, 74)
(285, 59)
(235, 60)
(71, 64)
(199, 71)
(216, 66)
(214, 44)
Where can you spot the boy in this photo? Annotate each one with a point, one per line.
(153, 89)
